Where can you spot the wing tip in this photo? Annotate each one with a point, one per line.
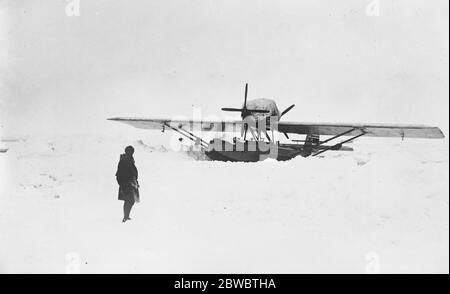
(123, 119)
(440, 134)
(432, 133)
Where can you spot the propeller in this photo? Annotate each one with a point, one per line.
(244, 110)
(283, 113)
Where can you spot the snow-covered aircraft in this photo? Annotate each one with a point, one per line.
(262, 118)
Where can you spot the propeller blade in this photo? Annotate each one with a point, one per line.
(246, 110)
(287, 109)
(245, 97)
(245, 131)
(232, 109)
(258, 110)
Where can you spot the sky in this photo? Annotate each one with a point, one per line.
(63, 73)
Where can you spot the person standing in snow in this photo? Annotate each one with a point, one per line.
(127, 178)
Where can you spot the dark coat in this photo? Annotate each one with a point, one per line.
(127, 176)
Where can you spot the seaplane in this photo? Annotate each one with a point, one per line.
(259, 129)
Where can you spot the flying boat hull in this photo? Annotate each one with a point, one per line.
(251, 151)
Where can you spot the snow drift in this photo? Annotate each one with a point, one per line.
(385, 203)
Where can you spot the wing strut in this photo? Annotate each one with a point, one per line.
(337, 136)
(338, 145)
(189, 135)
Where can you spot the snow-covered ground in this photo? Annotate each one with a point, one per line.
(383, 208)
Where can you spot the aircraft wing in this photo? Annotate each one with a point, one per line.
(325, 129)
(371, 130)
(190, 125)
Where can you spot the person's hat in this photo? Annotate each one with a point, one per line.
(129, 150)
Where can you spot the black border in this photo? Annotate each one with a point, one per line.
(142, 283)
